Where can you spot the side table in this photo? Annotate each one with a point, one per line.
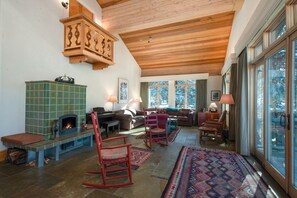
(172, 125)
(111, 123)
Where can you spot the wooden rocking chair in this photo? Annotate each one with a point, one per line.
(110, 156)
(156, 129)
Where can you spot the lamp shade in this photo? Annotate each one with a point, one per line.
(111, 99)
(137, 99)
(226, 99)
(213, 105)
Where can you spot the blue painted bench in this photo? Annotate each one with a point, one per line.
(53, 146)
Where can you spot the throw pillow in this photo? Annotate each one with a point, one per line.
(133, 111)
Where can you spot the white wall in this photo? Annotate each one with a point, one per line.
(32, 45)
(247, 21)
(214, 83)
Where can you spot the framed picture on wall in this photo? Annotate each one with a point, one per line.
(123, 90)
(215, 95)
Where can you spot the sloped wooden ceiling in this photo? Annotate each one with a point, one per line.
(107, 3)
(169, 37)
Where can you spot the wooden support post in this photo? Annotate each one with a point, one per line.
(99, 66)
(77, 59)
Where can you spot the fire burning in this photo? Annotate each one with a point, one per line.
(68, 126)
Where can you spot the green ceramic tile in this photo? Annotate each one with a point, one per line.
(46, 94)
(53, 87)
(53, 101)
(66, 95)
(46, 87)
(53, 94)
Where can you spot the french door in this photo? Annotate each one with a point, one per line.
(293, 118)
(275, 97)
(276, 113)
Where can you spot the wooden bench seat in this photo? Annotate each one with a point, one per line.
(34, 143)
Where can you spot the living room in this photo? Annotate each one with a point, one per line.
(31, 50)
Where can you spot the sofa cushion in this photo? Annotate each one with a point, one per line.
(133, 111)
(127, 112)
(172, 109)
(184, 118)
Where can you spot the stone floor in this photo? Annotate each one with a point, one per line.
(63, 178)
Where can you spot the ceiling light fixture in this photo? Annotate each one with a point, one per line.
(65, 4)
(149, 39)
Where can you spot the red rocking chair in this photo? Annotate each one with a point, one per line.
(156, 129)
(110, 156)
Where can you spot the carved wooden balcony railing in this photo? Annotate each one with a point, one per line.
(85, 41)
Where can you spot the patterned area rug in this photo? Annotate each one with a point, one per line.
(201, 172)
(138, 156)
(171, 136)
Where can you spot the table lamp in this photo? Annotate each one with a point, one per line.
(213, 107)
(112, 99)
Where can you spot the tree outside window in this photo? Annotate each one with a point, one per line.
(185, 94)
(158, 94)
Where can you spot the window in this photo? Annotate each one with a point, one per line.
(278, 30)
(185, 94)
(158, 94)
(258, 49)
(259, 101)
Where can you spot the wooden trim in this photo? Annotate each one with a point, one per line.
(84, 17)
(76, 8)
(3, 154)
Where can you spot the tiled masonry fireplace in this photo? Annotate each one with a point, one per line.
(47, 102)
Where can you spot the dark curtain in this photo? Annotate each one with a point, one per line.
(144, 94)
(241, 106)
(201, 97)
(233, 81)
(223, 107)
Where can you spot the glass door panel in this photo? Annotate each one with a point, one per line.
(294, 114)
(276, 110)
(259, 98)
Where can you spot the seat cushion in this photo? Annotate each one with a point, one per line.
(183, 118)
(114, 153)
(22, 138)
(158, 130)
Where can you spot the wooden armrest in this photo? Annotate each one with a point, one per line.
(115, 138)
(115, 147)
(213, 122)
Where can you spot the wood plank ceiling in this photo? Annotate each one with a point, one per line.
(162, 47)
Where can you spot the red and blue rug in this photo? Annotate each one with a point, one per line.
(138, 156)
(201, 172)
(171, 136)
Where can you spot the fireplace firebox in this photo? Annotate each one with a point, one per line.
(67, 124)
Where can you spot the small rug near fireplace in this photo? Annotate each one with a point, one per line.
(171, 136)
(138, 156)
(201, 172)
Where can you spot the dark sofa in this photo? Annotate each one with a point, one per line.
(129, 118)
(185, 117)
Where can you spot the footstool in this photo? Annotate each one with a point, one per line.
(208, 132)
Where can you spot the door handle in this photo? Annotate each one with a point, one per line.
(281, 120)
(288, 122)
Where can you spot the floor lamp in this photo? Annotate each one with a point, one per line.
(227, 99)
